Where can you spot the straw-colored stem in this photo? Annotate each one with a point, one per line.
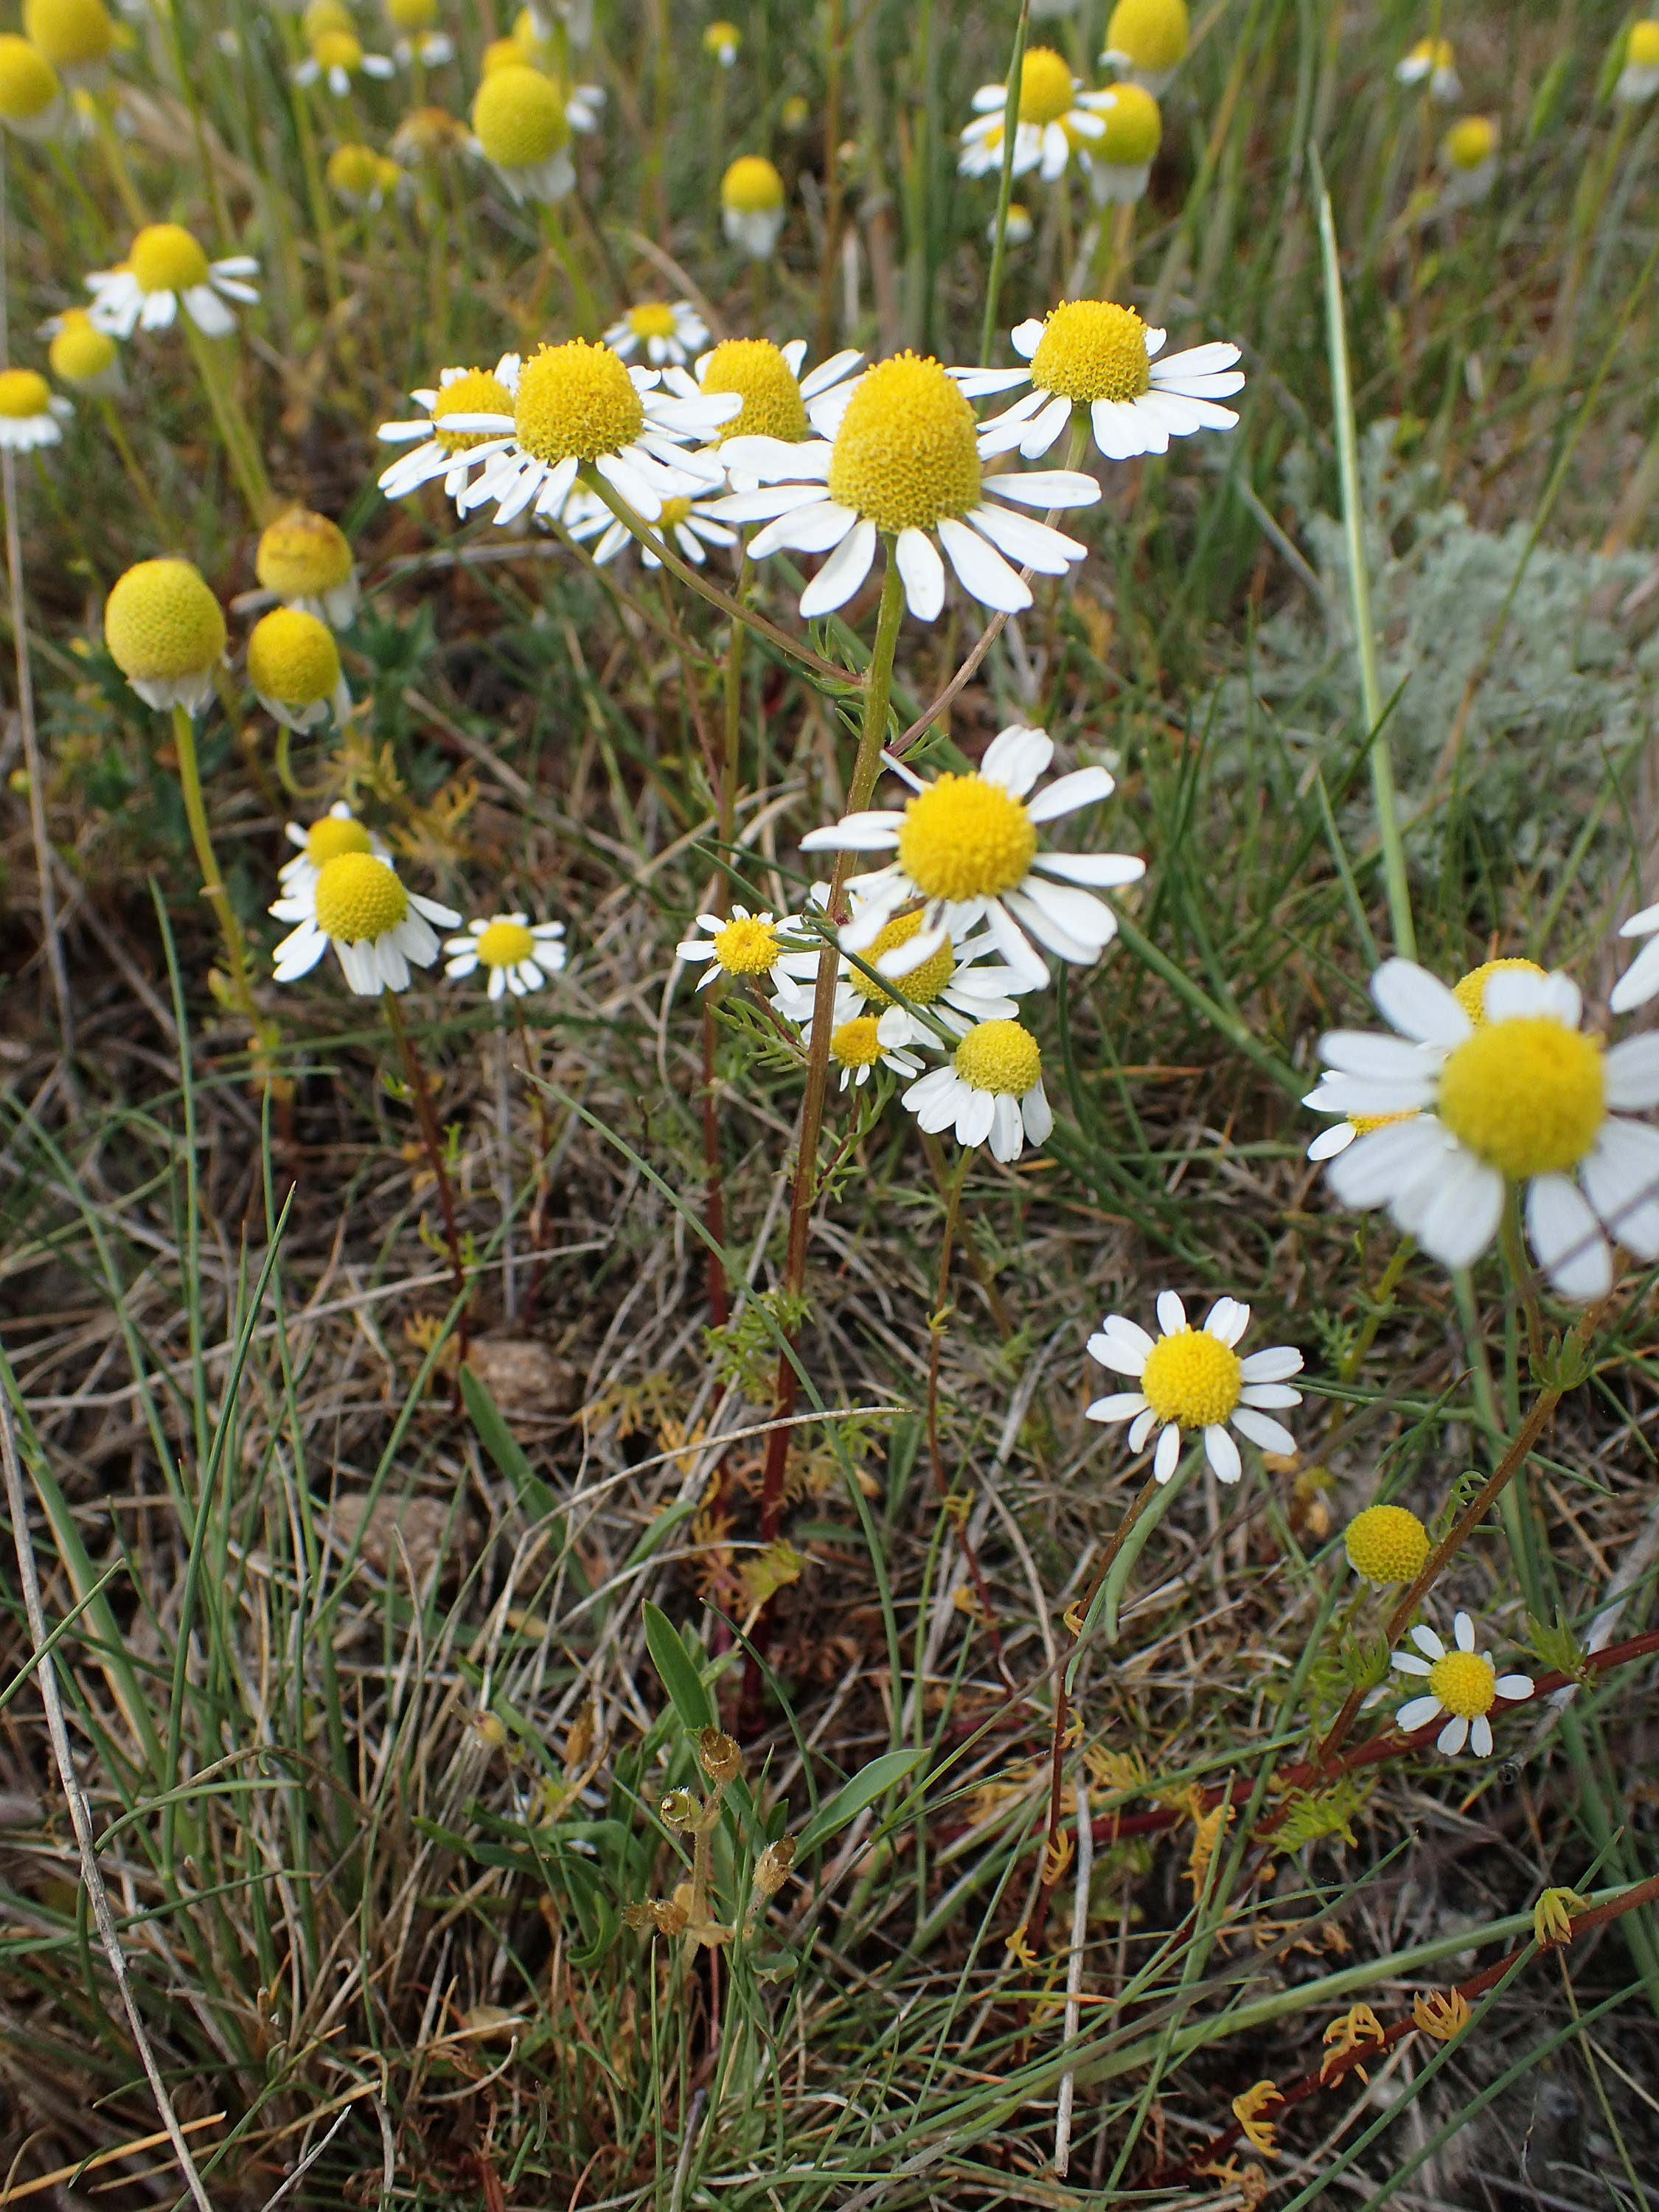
(115, 161)
(432, 1145)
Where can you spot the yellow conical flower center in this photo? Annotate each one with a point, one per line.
(28, 84)
(1134, 129)
(505, 944)
(964, 837)
(772, 404)
(162, 622)
(332, 50)
(576, 400)
(475, 391)
(1434, 53)
(752, 186)
(1470, 143)
(674, 511)
(1046, 85)
(164, 258)
(503, 54)
(354, 169)
(1000, 1057)
(1386, 1544)
(1642, 47)
(746, 946)
(1192, 1378)
(923, 984)
(358, 899)
(322, 17)
(1465, 1684)
(411, 15)
(335, 833)
(70, 33)
(1153, 33)
(1527, 1096)
(23, 393)
(905, 454)
(855, 1044)
(652, 318)
(292, 657)
(518, 117)
(81, 352)
(302, 554)
(1092, 349)
(1470, 990)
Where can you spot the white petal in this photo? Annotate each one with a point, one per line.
(1454, 1213)
(1632, 1072)
(1566, 1239)
(1452, 1738)
(1123, 430)
(1143, 1426)
(1408, 1662)
(1515, 1687)
(923, 573)
(1416, 1713)
(842, 573)
(1101, 870)
(1419, 1005)
(1016, 757)
(1379, 1059)
(981, 569)
(1268, 1435)
(1168, 1455)
(1621, 1177)
(1033, 544)
(1046, 488)
(1171, 1313)
(1271, 1365)
(1463, 1632)
(1427, 1641)
(815, 529)
(1122, 1405)
(1640, 979)
(1227, 1321)
(1268, 1395)
(1480, 1736)
(1223, 1455)
(1384, 1163)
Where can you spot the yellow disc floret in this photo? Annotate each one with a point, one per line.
(752, 186)
(1092, 350)
(358, 899)
(772, 404)
(906, 451)
(1192, 1378)
(503, 54)
(923, 984)
(651, 318)
(292, 657)
(1134, 132)
(411, 15)
(1002, 1057)
(1642, 47)
(1470, 990)
(1432, 53)
(1464, 1683)
(1470, 143)
(338, 50)
(28, 84)
(164, 258)
(504, 944)
(1527, 1096)
(23, 394)
(79, 352)
(855, 1044)
(1046, 86)
(1153, 33)
(747, 946)
(475, 391)
(70, 33)
(518, 117)
(161, 623)
(353, 172)
(964, 837)
(303, 555)
(1386, 1544)
(335, 833)
(576, 400)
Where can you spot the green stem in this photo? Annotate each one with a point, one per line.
(230, 930)
(131, 463)
(558, 245)
(1006, 185)
(235, 434)
(116, 161)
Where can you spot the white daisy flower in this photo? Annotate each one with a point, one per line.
(954, 979)
(31, 414)
(1430, 62)
(1524, 1098)
(417, 40)
(519, 954)
(339, 832)
(1462, 1683)
(1638, 78)
(669, 333)
(1469, 154)
(580, 404)
(751, 948)
(966, 851)
(165, 269)
(1095, 355)
(376, 925)
(752, 209)
(690, 522)
(721, 40)
(1641, 979)
(991, 1088)
(335, 57)
(902, 462)
(860, 1040)
(777, 400)
(1120, 161)
(443, 451)
(1147, 41)
(1193, 1378)
(1055, 117)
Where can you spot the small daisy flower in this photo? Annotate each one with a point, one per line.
(75, 38)
(989, 1091)
(1193, 1378)
(1055, 117)
(339, 832)
(1462, 1683)
(31, 97)
(690, 523)
(305, 560)
(861, 1041)
(1469, 154)
(1430, 62)
(1641, 979)
(954, 978)
(1147, 41)
(31, 414)
(360, 178)
(666, 332)
(443, 451)
(778, 402)
(903, 465)
(166, 270)
(751, 948)
(415, 37)
(1119, 162)
(1523, 1097)
(580, 404)
(337, 56)
(966, 851)
(1638, 77)
(293, 670)
(1094, 355)
(722, 39)
(519, 125)
(1386, 1544)
(166, 633)
(1018, 230)
(80, 354)
(378, 926)
(752, 205)
(518, 954)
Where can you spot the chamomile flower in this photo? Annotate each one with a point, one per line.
(80, 354)
(293, 670)
(955, 979)
(1523, 1097)
(1193, 1378)
(166, 270)
(752, 205)
(517, 954)
(1469, 154)
(305, 560)
(690, 523)
(1462, 1683)
(415, 37)
(166, 633)
(1147, 40)
(750, 948)
(580, 406)
(1119, 163)
(860, 1040)
(1431, 62)
(75, 37)
(990, 1091)
(335, 57)
(360, 178)
(1638, 77)
(722, 39)
(31, 97)
(1055, 117)
(442, 450)
(337, 831)
(31, 413)
(429, 135)
(903, 465)
(1018, 230)
(378, 926)
(1095, 355)
(519, 125)
(778, 401)
(966, 851)
(667, 332)
(1641, 979)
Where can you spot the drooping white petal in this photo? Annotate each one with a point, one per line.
(923, 573)
(1222, 1453)
(1621, 1177)
(1168, 1455)
(981, 569)
(842, 573)
(1566, 1239)
(1269, 1435)
(1630, 1071)
(1452, 1738)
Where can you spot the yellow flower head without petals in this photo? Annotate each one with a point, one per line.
(292, 657)
(79, 352)
(1386, 1544)
(28, 83)
(162, 622)
(70, 33)
(303, 555)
